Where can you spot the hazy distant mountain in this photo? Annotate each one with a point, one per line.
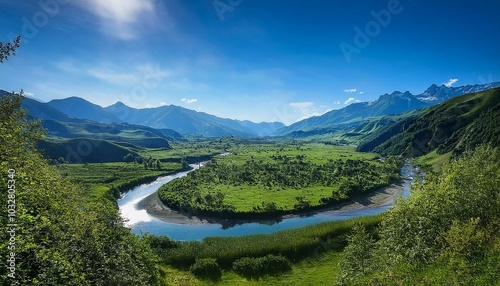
(166, 118)
(394, 103)
(186, 121)
(80, 108)
(43, 111)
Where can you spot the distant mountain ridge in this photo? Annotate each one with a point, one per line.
(186, 121)
(182, 120)
(81, 108)
(394, 103)
(179, 119)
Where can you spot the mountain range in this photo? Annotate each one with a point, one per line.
(394, 103)
(182, 120)
(455, 125)
(177, 119)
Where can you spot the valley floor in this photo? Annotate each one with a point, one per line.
(383, 197)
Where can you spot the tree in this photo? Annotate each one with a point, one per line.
(8, 49)
(56, 236)
(184, 163)
(446, 232)
(358, 255)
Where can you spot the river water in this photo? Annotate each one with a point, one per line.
(140, 221)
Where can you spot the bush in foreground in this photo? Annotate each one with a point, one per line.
(253, 268)
(206, 268)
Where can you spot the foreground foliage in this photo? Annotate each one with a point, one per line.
(59, 238)
(446, 232)
(294, 244)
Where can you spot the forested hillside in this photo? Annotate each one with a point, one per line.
(455, 125)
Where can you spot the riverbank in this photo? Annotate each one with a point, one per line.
(383, 197)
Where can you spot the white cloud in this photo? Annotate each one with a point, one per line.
(118, 16)
(351, 100)
(450, 82)
(308, 109)
(350, 90)
(361, 92)
(301, 105)
(112, 76)
(336, 102)
(163, 103)
(147, 75)
(189, 101)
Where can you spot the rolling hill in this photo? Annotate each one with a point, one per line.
(84, 150)
(140, 136)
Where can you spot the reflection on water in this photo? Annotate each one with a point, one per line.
(141, 222)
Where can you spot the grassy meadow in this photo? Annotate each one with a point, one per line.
(100, 178)
(274, 178)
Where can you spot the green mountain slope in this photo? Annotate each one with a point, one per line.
(140, 136)
(458, 123)
(84, 150)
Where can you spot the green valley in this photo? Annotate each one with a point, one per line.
(269, 180)
(248, 143)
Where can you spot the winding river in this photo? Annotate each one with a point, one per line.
(140, 221)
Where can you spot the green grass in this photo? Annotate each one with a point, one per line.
(318, 270)
(276, 178)
(295, 244)
(315, 252)
(99, 178)
(434, 160)
(244, 197)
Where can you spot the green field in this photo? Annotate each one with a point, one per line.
(313, 271)
(270, 178)
(99, 178)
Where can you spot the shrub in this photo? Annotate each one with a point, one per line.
(261, 266)
(206, 268)
(159, 242)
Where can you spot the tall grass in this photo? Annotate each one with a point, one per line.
(294, 244)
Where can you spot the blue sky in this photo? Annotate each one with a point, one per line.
(271, 60)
